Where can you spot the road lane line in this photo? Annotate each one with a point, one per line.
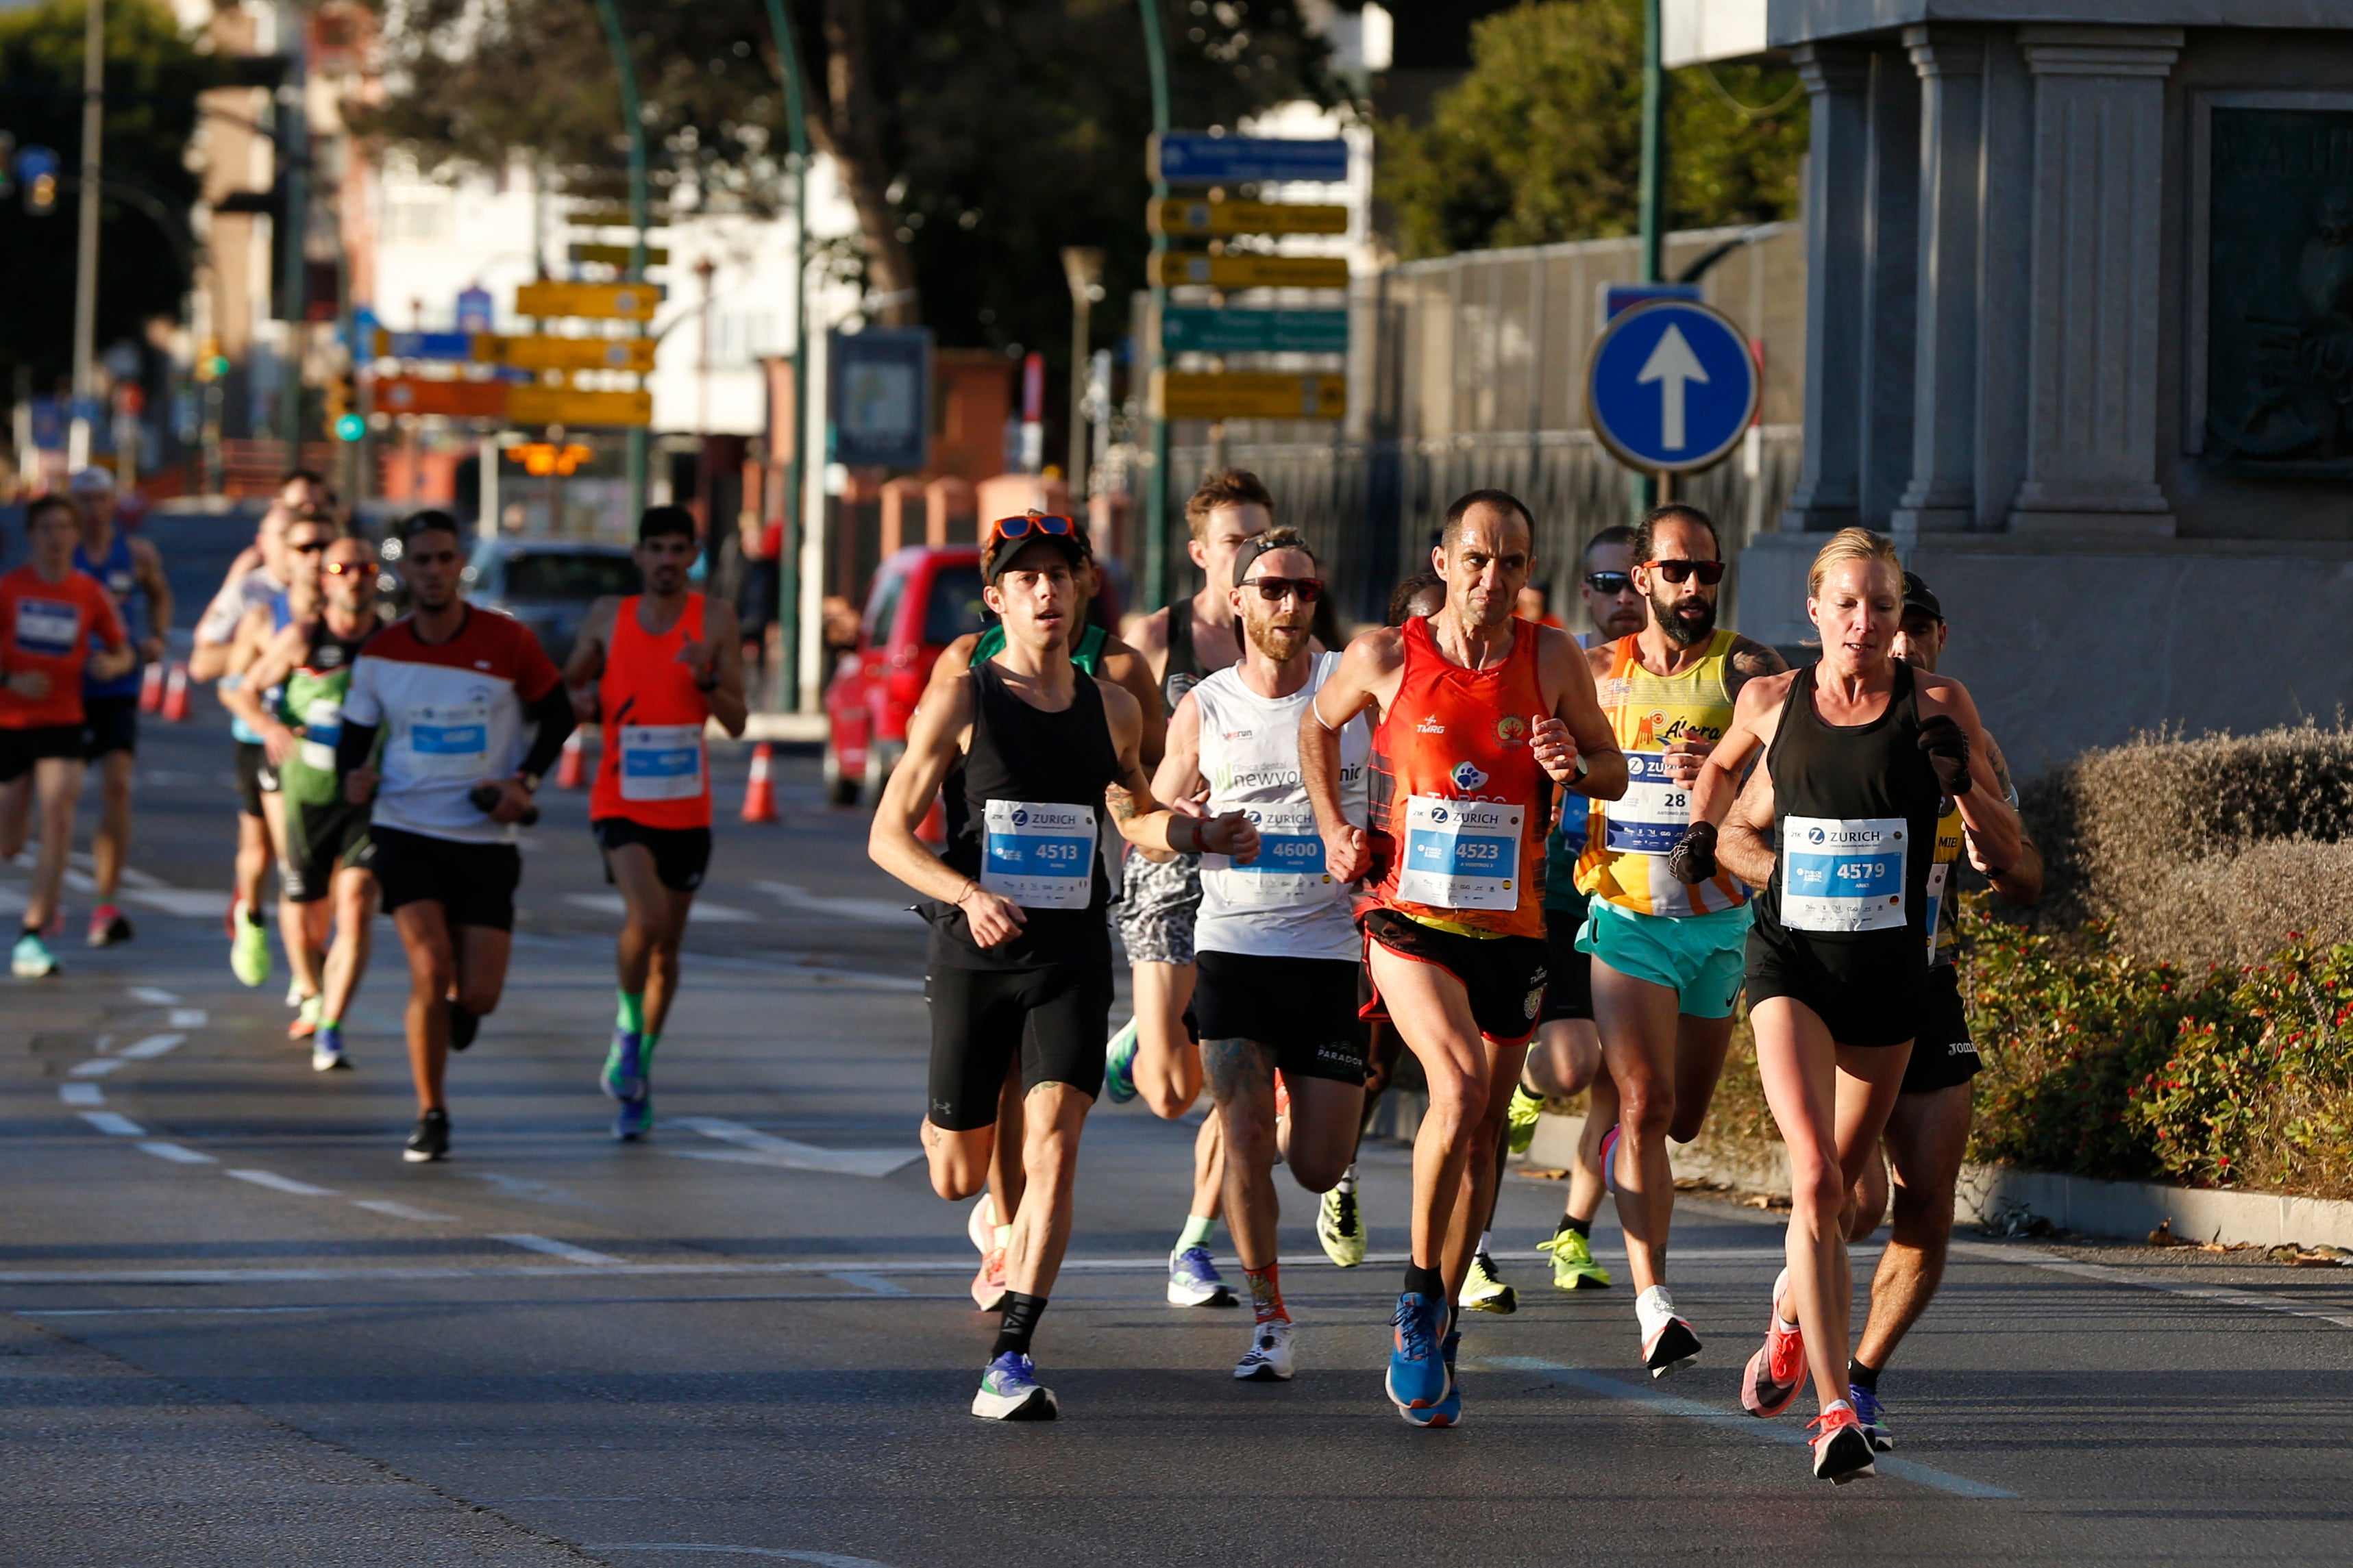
(611, 904)
(563, 1249)
(824, 1559)
(107, 1121)
(1790, 1435)
(767, 1148)
(2225, 1295)
(872, 911)
(153, 997)
(81, 1094)
(398, 1210)
(176, 1154)
(186, 1018)
(154, 1046)
(188, 903)
(278, 1184)
(866, 1280)
(98, 1067)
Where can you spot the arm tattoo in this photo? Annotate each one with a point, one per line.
(1121, 801)
(1751, 659)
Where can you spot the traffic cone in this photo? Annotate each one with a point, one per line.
(759, 794)
(933, 830)
(571, 772)
(175, 693)
(151, 689)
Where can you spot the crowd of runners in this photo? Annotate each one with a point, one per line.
(1467, 853)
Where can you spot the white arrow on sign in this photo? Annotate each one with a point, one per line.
(1673, 365)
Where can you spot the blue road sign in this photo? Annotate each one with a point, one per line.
(1198, 329)
(1194, 158)
(1617, 299)
(1671, 386)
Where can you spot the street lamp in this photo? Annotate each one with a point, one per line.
(637, 444)
(1156, 561)
(1082, 264)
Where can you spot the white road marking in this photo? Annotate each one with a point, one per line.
(563, 1249)
(398, 1210)
(81, 1094)
(153, 995)
(1789, 1433)
(189, 903)
(873, 911)
(154, 1046)
(186, 1018)
(278, 1184)
(700, 913)
(81, 882)
(118, 1126)
(868, 1281)
(2228, 1295)
(176, 1154)
(767, 1148)
(99, 1067)
(823, 1558)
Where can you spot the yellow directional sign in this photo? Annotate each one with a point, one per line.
(619, 254)
(568, 354)
(1183, 395)
(563, 405)
(1184, 216)
(1173, 268)
(611, 218)
(628, 301)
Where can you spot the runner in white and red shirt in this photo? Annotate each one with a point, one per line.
(472, 713)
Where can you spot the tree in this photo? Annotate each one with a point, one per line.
(1542, 141)
(152, 77)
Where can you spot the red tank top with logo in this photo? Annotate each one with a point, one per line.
(653, 770)
(1459, 806)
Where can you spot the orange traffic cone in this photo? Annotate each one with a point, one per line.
(933, 829)
(151, 689)
(175, 693)
(759, 794)
(571, 772)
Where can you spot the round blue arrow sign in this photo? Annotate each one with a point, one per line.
(1671, 386)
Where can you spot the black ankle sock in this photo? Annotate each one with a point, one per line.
(29, 931)
(1861, 1376)
(463, 1027)
(253, 917)
(1583, 1227)
(1421, 1281)
(1020, 1321)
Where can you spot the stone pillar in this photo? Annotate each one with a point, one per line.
(1941, 496)
(1891, 288)
(1838, 78)
(2092, 371)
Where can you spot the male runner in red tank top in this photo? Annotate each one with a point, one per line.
(1478, 715)
(655, 666)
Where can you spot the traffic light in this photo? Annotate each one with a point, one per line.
(211, 363)
(37, 171)
(341, 395)
(7, 165)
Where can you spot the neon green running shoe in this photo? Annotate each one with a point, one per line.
(1520, 1118)
(1340, 1228)
(1482, 1292)
(1573, 1268)
(248, 950)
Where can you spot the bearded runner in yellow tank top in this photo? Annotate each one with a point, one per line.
(1628, 841)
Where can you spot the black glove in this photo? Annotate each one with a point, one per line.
(1692, 859)
(1946, 746)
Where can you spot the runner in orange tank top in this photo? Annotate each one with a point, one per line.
(655, 666)
(1480, 716)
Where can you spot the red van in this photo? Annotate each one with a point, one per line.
(924, 598)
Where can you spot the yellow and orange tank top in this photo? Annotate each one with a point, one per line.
(652, 768)
(1627, 841)
(1459, 806)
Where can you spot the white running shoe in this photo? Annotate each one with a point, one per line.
(1268, 1358)
(1668, 1343)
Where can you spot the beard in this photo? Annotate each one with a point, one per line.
(1277, 644)
(1683, 629)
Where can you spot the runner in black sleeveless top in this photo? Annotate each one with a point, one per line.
(1862, 752)
(1020, 979)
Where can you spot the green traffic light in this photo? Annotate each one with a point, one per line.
(350, 428)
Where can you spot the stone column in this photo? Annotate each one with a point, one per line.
(2091, 373)
(1941, 496)
(1838, 78)
(1890, 287)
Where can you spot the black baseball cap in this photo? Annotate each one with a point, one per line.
(1917, 596)
(996, 555)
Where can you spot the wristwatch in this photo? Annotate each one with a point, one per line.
(530, 783)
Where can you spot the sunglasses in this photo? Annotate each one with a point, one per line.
(1710, 573)
(312, 548)
(1609, 583)
(1274, 590)
(340, 568)
(1022, 527)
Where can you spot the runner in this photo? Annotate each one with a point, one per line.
(51, 614)
(658, 665)
(1666, 957)
(1477, 710)
(1277, 951)
(455, 690)
(1862, 752)
(1929, 1128)
(1156, 1054)
(132, 572)
(1020, 952)
(328, 870)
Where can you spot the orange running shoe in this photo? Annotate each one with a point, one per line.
(1841, 1454)
(1777, 1370)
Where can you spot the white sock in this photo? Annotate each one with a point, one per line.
(1838, 1404)
(1654, 1307)
(1780, 1284)
(1486, 1238)
(1347, 1182)
(1004, 1234)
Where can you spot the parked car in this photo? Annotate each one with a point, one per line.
(548, 584)
(923, 598)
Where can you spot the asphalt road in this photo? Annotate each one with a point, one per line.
(236, 1328)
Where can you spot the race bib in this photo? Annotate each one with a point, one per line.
(1843, 874)
(450, 742)
(1042, 857)
(1650, 816)
(661, 762)
(45, 626)
(323, 726)
(1289, 865)
(1461, 854)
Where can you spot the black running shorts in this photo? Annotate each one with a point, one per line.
(1502, 975)
(1568, 974)
(255, 776)
(1942, 1052)
(473, 883)
(1054, 1020)
(321, 840)
(1301, 1009)
(20, 749)
(109, 724)
(1872, 1006)
(681, 855)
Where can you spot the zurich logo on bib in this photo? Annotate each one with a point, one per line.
(1467, 777)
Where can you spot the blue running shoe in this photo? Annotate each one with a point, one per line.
(1194, 1280)
(327, 1053)
(1873, 1419)
(1609, 1157)
(634, 1120)
(1448, 1412)
(1119, 1065)
(1417, 1380)
(1009, 1391)
(624, 1067)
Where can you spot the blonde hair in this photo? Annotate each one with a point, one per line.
(1852, 544)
